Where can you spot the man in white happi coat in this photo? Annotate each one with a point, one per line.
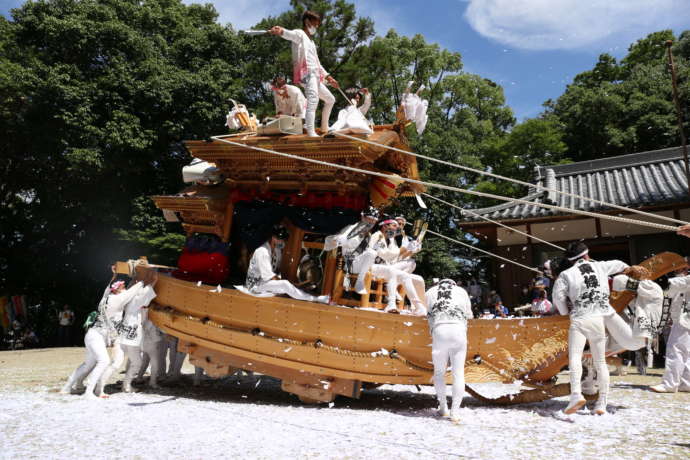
(586, 285)
(100, 336)
(262, 277)
(677, 369)
(288, 99)
(364, 252)
(408, 248)
(308, 71)
(387, 253)
(449, 310)
(632, 328)
(131, 332)
(405, 262)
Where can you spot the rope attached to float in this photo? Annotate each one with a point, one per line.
(516, 181)
(451, 188)
(474, 214)
(474, 248)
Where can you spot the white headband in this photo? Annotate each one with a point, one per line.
(582, 254)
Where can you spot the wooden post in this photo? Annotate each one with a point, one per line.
(679, 112)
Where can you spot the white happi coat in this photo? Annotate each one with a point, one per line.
(294, 105)
(678, 291)
(262, 267)
(131, 330)
(305, 59)
(677, 368)
(586, 284)
(644, 311)
(110, 311)
(447, 305)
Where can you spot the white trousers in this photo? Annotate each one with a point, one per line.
(622, 334)
(407, 265)
(588, 329)
(393, 276)
(133, 354)
(95, 363)
(117, 359)
(286, 287)
(151, 354)
(449, 344)
(677, 371)
(314, 90)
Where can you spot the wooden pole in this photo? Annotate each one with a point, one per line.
(679, 113)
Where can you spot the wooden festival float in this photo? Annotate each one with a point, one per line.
(319, 351)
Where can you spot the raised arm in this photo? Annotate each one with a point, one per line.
(613, 267)
(366, 105)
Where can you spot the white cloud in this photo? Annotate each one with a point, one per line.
(243, 14)
(571, 24)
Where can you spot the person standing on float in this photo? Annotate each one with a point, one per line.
(586, 285)
(308, 71)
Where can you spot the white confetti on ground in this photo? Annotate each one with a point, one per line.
(235, 414)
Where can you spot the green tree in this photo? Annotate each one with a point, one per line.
(96, 97)
(625, 107)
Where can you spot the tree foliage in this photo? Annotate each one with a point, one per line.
(627, 106)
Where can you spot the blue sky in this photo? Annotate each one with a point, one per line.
(533, 48)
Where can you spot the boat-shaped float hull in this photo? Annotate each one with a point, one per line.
(322, 350)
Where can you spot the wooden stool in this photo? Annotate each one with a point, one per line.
(376, 287)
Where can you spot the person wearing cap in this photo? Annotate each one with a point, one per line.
(101, 335)
(677, 368)
(585, 284)
(264, 263)
(308, 71)
(449, 310)
(288, 99)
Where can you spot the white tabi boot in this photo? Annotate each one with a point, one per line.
(575, 404)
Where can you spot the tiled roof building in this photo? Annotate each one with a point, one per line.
(652, 181)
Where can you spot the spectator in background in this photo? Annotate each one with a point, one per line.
(494, 299)
(541, 305)
(475, 292)
(500, 310)
(29, 338)
(525, 295)
(65, 322)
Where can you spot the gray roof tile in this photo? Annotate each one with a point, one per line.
(639, 179)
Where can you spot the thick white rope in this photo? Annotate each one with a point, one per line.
(516, 181)
(481, 250)
(478, 249)
(395, 178)
(472, 213)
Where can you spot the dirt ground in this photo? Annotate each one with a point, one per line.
(249, 414)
